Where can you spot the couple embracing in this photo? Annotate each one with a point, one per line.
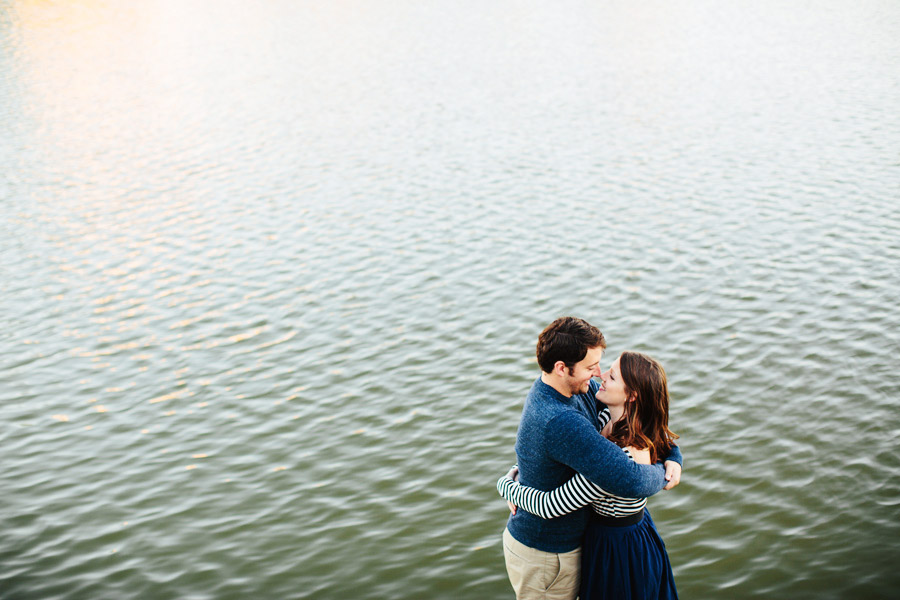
(588, 455)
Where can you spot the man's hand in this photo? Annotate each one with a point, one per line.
(514, 475)
(673, 474)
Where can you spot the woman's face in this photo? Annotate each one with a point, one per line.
(613, 391)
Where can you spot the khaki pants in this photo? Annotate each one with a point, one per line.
(537, 575)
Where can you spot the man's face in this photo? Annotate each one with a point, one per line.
(579, 376)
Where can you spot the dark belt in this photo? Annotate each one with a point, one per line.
(619, 521)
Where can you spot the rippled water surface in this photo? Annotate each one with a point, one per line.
(272, 274)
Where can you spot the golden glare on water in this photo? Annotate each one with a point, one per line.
(99, 83)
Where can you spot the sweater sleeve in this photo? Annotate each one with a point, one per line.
(573, 441)
(675, 455)
(569, 497)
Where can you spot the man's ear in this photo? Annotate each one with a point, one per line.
(560, 368)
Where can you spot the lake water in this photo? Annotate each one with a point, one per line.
(273, 272)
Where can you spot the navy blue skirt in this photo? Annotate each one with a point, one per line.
(625, 563)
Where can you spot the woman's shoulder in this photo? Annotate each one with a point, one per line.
(639, 456)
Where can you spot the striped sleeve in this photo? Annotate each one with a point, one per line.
(569, 497)
(603, 417)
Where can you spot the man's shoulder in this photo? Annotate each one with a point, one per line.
(553, 416)
(543, 401)
(547, 413)
(567, 419)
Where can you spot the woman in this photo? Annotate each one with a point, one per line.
(623, 555)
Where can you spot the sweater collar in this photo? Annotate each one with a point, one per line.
(550, 392)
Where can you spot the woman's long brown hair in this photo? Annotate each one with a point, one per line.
(645, 423)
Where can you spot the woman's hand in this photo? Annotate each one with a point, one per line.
(514, 475)
(673, 474)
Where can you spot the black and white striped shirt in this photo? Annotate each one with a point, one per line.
(570, 496)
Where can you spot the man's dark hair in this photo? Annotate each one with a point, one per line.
(567, 339)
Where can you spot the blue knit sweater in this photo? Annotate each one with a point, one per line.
(558, 437)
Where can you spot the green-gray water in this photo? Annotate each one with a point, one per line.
(272, 274)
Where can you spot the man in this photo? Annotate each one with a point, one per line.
(559, 435)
